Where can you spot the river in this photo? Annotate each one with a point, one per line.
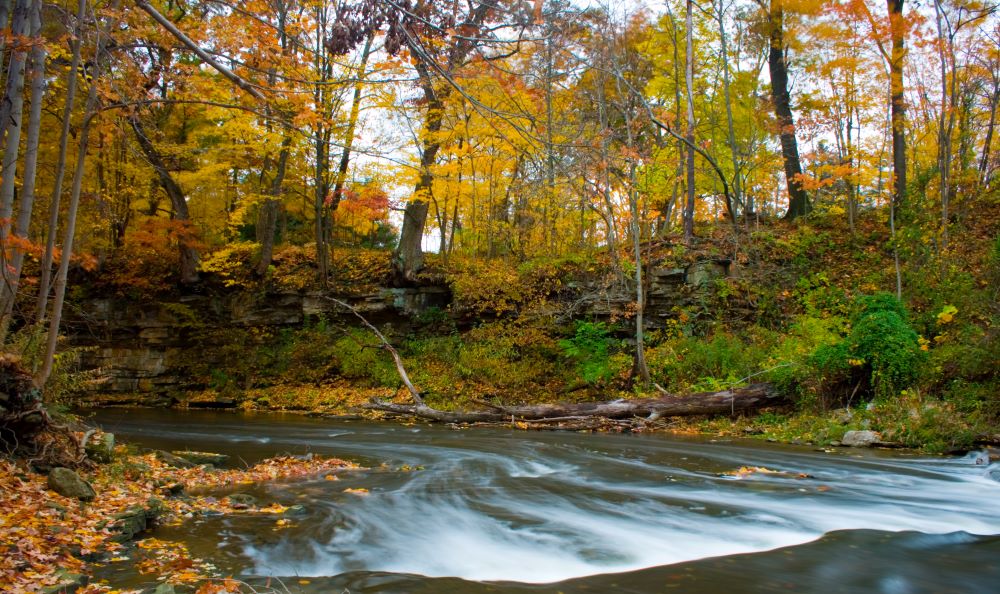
(493, 510)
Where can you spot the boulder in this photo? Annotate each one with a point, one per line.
(860, 439)
(172, 460)
(198, 458)
(103, 450)
(69, 484)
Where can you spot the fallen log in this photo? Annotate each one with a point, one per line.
(705, 403)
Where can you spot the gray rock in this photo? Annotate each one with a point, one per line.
(172, 460)
(130, 523)
(860, 439)
(69, 484)
(104, 450)
(202, 457)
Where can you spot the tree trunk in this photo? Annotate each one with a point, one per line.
(897, 29)
(798, 200)
(9, 290)
(188, 255)
(68, 234)
(10, 122)
(689, 78)
(50, 241)
(408, 258)
(984, 163)
(730, 128)
(707, 403)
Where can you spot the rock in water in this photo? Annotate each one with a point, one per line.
(69, 484)
(103, 450)
(172, 460)
(860, 439)
(203, 457)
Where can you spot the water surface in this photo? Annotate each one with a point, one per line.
(492, 510)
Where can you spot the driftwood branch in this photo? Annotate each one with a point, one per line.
(400, 369)
(706, 403)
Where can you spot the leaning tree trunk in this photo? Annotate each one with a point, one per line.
(708, 403)
(798, 200)
(188, 255)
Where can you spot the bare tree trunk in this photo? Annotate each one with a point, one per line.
(9, 290)
(641, 367)
(68, 235)
(689, 78)
(798, 200)
(897, 29)
(10, 123)
(946, 119)
(50, 241)
(730, 128)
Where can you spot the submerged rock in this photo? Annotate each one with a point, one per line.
(860, 439)
(69, 484)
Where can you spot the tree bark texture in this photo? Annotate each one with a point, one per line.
(798, 200)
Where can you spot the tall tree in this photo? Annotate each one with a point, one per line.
(798, 200)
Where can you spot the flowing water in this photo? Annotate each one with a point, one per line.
(491, 510)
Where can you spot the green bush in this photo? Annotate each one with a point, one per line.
(359, 356)
(589, 349)
(881, 337)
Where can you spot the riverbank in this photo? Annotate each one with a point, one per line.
(53, 542)
(912, 421)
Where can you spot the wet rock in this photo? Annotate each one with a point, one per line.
(198, 458)
(172, 460)
(103, 450)
(296, 510)
(130, 523)
(135, 520)
(242, 500)
(69, 484)
(860, 439)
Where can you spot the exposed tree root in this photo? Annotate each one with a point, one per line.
(27, 430)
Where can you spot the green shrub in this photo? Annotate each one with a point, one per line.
(589, 349)
(881, 337)
(685, 364)
(359, 356)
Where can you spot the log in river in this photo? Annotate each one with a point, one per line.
(731, 401)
